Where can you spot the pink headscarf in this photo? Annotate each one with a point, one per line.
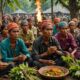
(45, 23)
(56, 20)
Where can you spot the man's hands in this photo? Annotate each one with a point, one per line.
(28, 43)
(21, 58)
(47, 62)
(52, 49)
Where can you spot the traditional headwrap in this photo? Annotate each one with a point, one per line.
(24, 22)
(45, 23)
(72, 23)
(57, 20)
(63, 24)
(12, 25)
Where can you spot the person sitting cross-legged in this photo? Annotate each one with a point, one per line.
(46, 49)
(13, 49)
(66, 39)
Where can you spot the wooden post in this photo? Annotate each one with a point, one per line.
(52, 9)
(1, 8)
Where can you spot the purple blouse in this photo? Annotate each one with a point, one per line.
(67, 43)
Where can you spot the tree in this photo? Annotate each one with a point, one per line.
(25, 5)
(11, 3)
(72, 5)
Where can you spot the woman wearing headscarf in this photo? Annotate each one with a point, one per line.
(66, 39)
(13, 48)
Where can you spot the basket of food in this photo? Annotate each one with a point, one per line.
(55, 72)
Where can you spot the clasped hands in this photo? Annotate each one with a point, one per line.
(52, 49)
(21, 58)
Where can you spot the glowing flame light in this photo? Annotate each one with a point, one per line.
(38, 10)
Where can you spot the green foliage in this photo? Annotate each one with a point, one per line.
(67, 59)
(12, 4)
(46, 5)
(65, 3)
(27, 5)
(74, 69)
(23, 72)
(17, 3)
(74, 66)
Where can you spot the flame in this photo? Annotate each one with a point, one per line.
(38, 10)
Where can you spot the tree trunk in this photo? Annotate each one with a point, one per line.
(73, 7)
(1, 8)
(52, 9)
(74, 14)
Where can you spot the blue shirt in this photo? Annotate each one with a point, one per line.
(8, 53)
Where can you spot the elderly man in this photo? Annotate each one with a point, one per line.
(46, 48)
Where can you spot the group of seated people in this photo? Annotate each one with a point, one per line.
(46, 49)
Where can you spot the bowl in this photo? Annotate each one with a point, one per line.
(64, 73)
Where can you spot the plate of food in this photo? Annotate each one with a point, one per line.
(56, 72)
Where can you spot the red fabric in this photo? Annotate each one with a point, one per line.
(12, 25)
(57, 20)
(45, 23)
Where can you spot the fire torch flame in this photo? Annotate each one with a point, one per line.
(38, 10)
